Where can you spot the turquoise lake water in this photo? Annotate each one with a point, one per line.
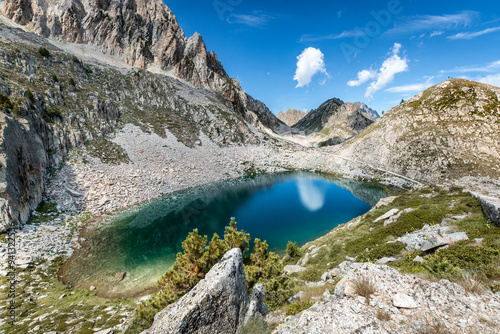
(143, 241)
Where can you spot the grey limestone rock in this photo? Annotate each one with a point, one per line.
(217, 304)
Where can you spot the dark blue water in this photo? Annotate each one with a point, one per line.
(144, 240)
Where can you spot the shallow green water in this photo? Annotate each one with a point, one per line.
(143, 241)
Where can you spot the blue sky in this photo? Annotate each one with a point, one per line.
(297, 54)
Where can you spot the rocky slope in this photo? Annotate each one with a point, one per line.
(291, 116)
(400, 304)
(144, 34)
(333, 122)
(447, 132)
(53, 103)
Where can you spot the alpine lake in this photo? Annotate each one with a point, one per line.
(126, 252)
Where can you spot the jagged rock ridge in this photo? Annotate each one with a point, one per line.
(333, 122)
(143, 33)
(291, 116)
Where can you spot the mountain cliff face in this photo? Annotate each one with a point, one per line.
(446, 132)
(333, 122)
(51, 104)
(143, 33)
(291, 116)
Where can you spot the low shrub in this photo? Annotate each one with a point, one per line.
(298, 306)
(293, 250)
(364, 287)
(44, 52)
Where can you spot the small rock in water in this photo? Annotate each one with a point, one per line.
(120, 275)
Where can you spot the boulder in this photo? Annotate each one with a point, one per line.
(291, 269)
(444, 240)
(404, 301)
(217, 304)
(386, 215)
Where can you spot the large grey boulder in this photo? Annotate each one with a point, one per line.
(217, 304)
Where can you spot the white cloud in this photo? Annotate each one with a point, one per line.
(363, 77)
(433, 22)
(345, 34)
(491, 67)
(310, 62)
(436, 33)
(393, 65)
(418, 87)
(471, 35)
(492, 79)
(255, 19)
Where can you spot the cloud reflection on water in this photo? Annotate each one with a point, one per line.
(311, 196)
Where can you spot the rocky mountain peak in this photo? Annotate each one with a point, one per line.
(291, 116)
(367, 110)
(317, 118)
(446, 132)
(143, 34)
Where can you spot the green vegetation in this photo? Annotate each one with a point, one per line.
(29, 95)
(75, 59)
(254, 326)
(367, 240)
(196, 260)
(45, 212)
(293, 250)
(298, 306)
(364, 287)
(5, 102)
(39, 304)
(44, 52)
(106, 150)
(52, 112)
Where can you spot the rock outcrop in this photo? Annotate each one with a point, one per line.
(217, 304)
(144, 34)
(400, 304)
(448, 131)
(291, 116)
(334, 121)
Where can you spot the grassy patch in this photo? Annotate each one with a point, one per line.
(45, 212)
(367, 241)
(299, 306)
(38, 303)
(106, 150)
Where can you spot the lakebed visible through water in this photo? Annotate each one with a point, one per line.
(125, 253)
